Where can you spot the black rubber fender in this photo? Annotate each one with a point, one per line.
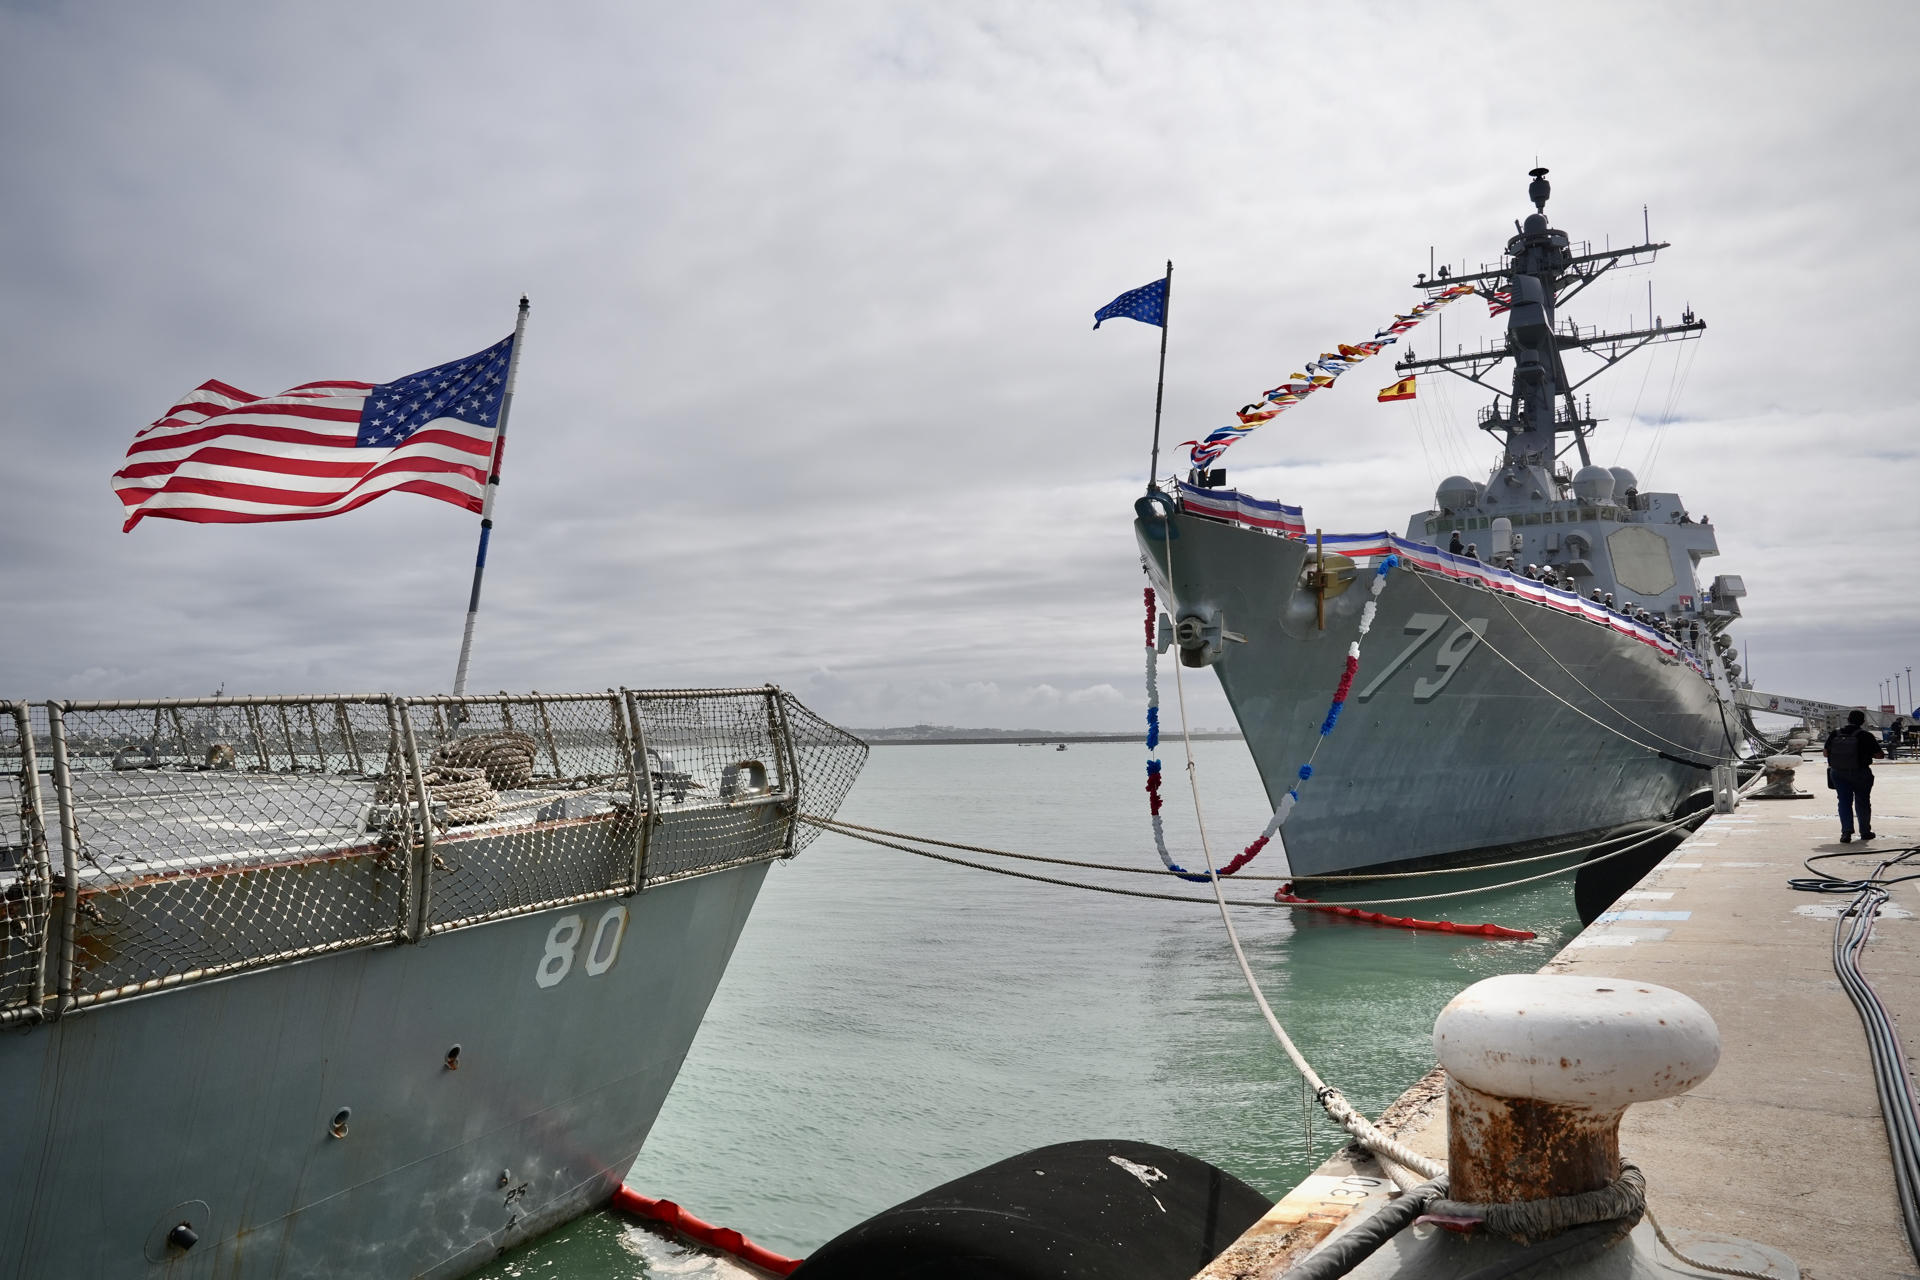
(1114, 1209)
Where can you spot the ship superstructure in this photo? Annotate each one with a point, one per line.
(1544, 670)
(1592, 528)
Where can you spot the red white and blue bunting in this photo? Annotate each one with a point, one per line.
(1231, 504)
(1220, 504)
(1348, 671)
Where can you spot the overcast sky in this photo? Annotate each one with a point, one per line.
(810, 393)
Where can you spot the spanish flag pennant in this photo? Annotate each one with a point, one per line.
(1401, 390)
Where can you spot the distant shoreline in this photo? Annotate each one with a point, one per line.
(1028, 740)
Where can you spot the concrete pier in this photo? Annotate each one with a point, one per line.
(1784, 1143)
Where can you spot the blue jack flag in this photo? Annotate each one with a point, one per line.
(1147, 304)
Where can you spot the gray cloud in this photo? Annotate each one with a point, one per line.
(810, 393)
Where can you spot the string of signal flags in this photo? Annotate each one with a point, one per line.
(1148, 304)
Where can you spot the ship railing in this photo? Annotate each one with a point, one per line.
(149, 843)
(1423, 558)
(26, 894)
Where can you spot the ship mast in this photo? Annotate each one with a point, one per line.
(1540, 272)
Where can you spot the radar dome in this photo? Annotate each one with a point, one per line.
(1536, 223)
(1456, 492)
(1593, 484)
(1623, 480)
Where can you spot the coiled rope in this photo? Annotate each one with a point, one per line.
(465, 792)
(505, 757)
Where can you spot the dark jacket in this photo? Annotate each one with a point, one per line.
(1866, 746)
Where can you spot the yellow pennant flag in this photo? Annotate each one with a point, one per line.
(1401, 390)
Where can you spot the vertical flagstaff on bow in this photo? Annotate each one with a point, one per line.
(1147, 304)
(1160, 388)
(486, 503)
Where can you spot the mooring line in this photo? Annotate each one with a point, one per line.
(869, 835)
(840, 823)
(1332, 1101)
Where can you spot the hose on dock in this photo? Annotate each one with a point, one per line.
(1898, 1109)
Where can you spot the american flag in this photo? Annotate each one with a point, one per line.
(224, 456)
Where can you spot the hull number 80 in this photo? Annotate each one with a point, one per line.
(564, 946)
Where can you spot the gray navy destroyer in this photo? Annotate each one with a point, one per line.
(364, 985)
(1568, 682)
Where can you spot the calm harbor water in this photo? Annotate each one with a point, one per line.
(890, 1022)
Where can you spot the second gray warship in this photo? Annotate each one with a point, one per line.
(364, 985)
(1565, 680)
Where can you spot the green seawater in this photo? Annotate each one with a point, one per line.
(890, 1022)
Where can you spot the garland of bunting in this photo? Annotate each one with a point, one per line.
(1348, 671)
(1319, 376)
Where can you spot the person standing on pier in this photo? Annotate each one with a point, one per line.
(1851, 751)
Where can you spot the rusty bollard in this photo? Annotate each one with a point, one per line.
(1540, 1068)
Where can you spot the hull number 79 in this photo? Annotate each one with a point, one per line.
(1453, 651)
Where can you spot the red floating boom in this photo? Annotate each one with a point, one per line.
(725, 1239)
(1284, 894)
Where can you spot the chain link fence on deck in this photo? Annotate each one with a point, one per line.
(827, 758)
(173, 840)
(533, 801)
(213, 837)
(718, 775)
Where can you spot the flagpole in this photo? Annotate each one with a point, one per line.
(1160, 389)
(486, 503)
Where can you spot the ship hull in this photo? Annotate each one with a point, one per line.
(214, 1103)
(1477, 726)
